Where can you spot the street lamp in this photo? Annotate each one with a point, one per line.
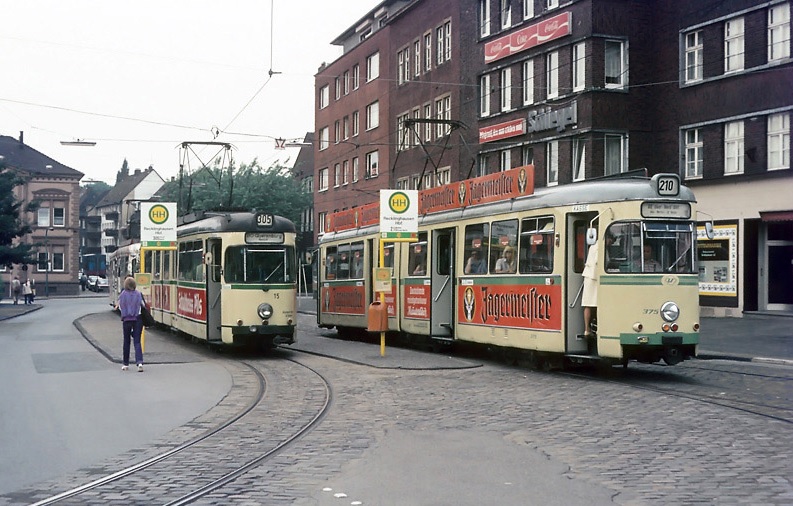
(47, 260)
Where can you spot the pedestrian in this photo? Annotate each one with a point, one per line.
(590, 295)
(83, 281)
(27, 291)
(16, 289)
(129, 302)
(32, 289)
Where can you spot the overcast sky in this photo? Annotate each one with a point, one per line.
(141, 77)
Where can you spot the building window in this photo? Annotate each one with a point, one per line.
(694, 56)
(373, 67)
(616, 64)
(402, 184)
(579, 67)
(693, 153)
(579, 159)
(346, 128)
(355, 170)
(553, 163)
(336, 132)
(346, 79)
(444, 176)
(338, 88)
(506, 14)
(779, 141)
(506, 160)
(552, 72)
(321, 219)
(44, 217)
(324, 96)
(336, 175)
(428, 51)
(323, 179)
(356, 76)
(402, 132)
(355, 123)
(733, 45)
(371, 164)
(345, 172)
(483, 159)
(427, 126)
(403, 66)
(447, 40)
(58, 217)
(323, 138)
(484, 95)
(528, 82)
(417, 56)
(484, 18)
(527, 155)
(528, 9)
(506, 89)
(615, 154)
(733, 148)
(372, 115)
(779, 32)
(552, 4)
(443, 110)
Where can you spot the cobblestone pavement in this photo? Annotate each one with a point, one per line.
(642, 446)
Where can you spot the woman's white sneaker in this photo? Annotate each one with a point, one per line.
(140, 367)
(124, 367)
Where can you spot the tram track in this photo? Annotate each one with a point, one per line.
(270, 422)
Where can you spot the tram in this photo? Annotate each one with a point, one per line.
(498, 264)
(231, 278)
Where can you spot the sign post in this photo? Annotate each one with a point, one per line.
(399, 222)
(157, 232)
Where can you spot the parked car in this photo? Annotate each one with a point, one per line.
(97, 284)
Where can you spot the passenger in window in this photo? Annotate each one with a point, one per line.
(357, 265)
(330, 267)
(506, 264)
(650, 263)
(475, 264)
(421, 267)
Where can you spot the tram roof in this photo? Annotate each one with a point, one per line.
(232, 222)
(584, 192)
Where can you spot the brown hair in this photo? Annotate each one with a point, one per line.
(129, 283)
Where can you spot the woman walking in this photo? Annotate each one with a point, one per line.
(130, 302)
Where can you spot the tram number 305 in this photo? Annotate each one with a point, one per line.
(264, 220)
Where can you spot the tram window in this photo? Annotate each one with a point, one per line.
(166, 265)
(417, 256)
(234, 265)
(155, 268)
(356, 269)
(536, 244)
(330, 262)
(148, 261)
(476, 248)
(389, 255)
(503, 242)
(646, 247)
(623, 255)
(344, 262)
(214, 267)
(265, 265)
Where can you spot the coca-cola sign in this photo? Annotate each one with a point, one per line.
(529, 37)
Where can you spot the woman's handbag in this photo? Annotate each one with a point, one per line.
(146, 317)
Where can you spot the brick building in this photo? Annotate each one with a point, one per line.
(585, 89)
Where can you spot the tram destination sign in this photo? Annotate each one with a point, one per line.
(158, 224)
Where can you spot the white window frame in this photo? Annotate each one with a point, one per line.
(403, 135)
(552, 74)
(444, 175)
(552, 163)
(505, 14)
(336, 131)
(58, 221)
(346, 127)
(622, 146)
(43, 217)
(694, 153)
(372, 164)
(427, 126)
(733, 148)
(337, 84)
(505, 160)
(733, 45)
(527, 155)
(324, 96)
(356, 122)
(356, 76)
(372, 67)
(616, 65)
(579, 66)
(579, 159)
(322, 218)
(779, 32)
(336, 175)
(417, 55)
(324, 140)
(345, 172)
(483, 160)
(693, 57)
(552, 4)
(443, 110)
(323, 179)
(428, 51)
(355, 169)
(484, 95)
(506, 89)
(447, 38)
(528, 82)
(346, 78)
(779, 141)
(484, 18)
(373, 115)
(528, 9)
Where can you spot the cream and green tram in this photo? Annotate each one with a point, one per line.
(231, 279)
(509, 273)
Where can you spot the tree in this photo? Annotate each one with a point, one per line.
(11, 224)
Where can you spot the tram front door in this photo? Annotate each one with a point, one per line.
(212, 260)
(575, 253)
(442, 276)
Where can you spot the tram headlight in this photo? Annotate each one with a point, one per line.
(265, 311)
(670, 311)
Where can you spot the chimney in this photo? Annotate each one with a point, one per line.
(21, 137)
(137, 171)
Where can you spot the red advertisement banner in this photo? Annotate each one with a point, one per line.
(502, 131)
(417, 301)
(192, 303)
(504, 185)
(536, 307)
(162, 297)
(359, 216)
(344, 299)
(529, 37)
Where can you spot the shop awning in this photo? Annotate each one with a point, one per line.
(776, 216)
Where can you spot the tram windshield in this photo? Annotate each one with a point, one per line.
(245, 264)
(650, 246)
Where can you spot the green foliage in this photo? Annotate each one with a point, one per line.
(271, 189)
(11, 225)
